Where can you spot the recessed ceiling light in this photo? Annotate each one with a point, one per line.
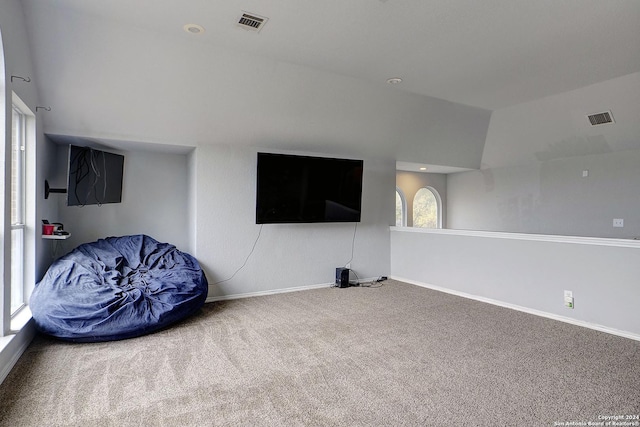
(193, 29)
(394, 80)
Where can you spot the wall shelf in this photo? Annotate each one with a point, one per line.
(56, 236)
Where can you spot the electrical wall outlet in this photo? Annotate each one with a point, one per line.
(585, 173)
(618, 222)
(568, 299)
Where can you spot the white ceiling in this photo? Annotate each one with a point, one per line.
(489, 54)
(486, 83)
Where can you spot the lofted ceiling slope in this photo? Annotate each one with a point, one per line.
(488, 54)
(315, 75)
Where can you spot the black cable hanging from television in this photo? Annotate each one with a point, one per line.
(85, 161)
(94, 177)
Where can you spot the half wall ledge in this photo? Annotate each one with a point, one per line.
(600, 241)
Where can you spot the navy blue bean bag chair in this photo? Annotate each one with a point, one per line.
(117, 288)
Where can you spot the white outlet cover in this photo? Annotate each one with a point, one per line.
(618, 222)
(568, 294)
(585, 173)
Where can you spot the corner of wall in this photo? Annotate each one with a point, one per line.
(192, 200)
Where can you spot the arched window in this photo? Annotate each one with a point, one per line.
(401, 209)
(426, 208)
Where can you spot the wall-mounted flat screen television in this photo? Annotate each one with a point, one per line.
(95, 177)
(303, 189)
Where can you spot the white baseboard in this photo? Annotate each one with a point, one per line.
(535, 312)
(269, 292)
(278, 291)
(25, 336)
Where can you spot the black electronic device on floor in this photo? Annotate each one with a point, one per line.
(342, 277)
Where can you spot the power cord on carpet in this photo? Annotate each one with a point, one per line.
(377, 283)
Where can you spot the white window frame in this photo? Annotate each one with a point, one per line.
(438, 203)
(12, 319)
(5, 141)
(18, 207)
(403, 200)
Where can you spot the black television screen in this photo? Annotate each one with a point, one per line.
(95, 177)
(294, 189)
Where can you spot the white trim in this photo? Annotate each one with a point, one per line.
(7, 367)
(403, 201)
(535, 312)
(20, 319)
(279, 291)
(270, 292)
(438, 204)
(26, 335)
(599, 241)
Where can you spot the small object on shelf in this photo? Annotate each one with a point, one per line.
(47, 229)
(53, 229)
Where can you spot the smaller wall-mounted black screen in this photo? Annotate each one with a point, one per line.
(95, 177)
(302, 189)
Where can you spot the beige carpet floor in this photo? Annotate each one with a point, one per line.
(398, 355)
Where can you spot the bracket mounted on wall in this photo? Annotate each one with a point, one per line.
(48, 190)
(24, 79)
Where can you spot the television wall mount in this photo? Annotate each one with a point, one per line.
(48, 190)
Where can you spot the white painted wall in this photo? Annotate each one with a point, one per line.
(155, 201)
(551, 197)
(556, 126)
(286, 255)
(193, 200)
(525, 273)
(531, 178)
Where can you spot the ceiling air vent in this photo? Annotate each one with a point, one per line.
(600, 118)
(252, 22)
